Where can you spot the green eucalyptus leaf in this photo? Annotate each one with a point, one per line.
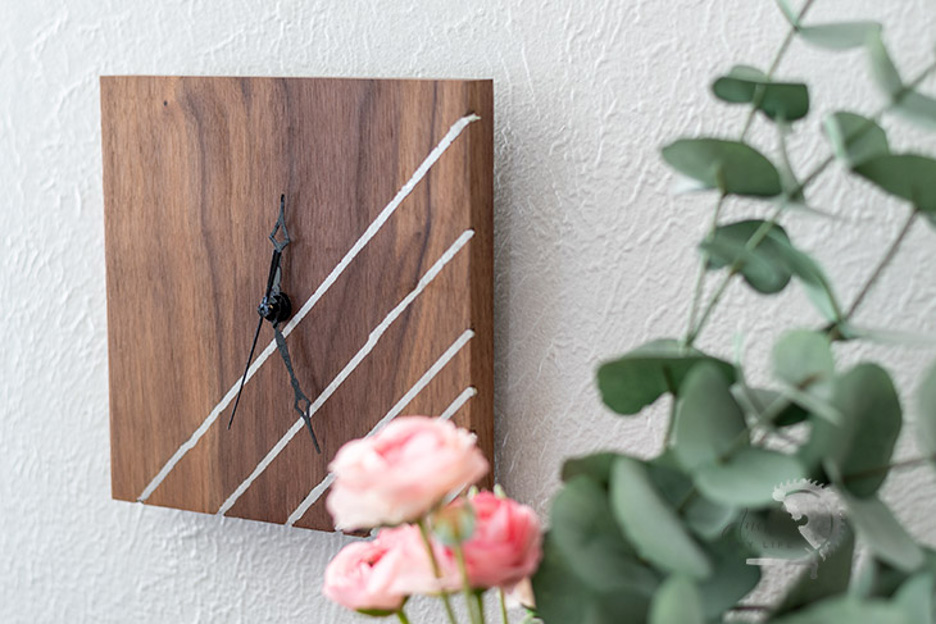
(803, 358)
(561, 596)
(850, 331)
(764, 268)
(847, 609)
(907, 176)
(882, 67)
(872, 420)
(640, 377)
(651, 524)
(757, 401)
(732, 167)
(749, 477)
(780, 101)
(831, 577)
(706, 518)
(584, 531)
(915, 597)
(840, 36)
(709, 422)
(854, 138)
(883, 533)
(926, 421)
(732, 578)
(788, 11)
(677, 600)
(918, 108)
(597, 467)
(817, 285)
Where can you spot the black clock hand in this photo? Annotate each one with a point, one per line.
(271, 281)
(302, 402)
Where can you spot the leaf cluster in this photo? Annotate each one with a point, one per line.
(681, 537)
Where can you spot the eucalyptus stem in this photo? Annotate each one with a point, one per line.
(474, 612)
(883, 264)
(436, 570)
(503, 605)
(871, 472)
(748, 122)
(402, 617)
(756, 238)
(694, 331)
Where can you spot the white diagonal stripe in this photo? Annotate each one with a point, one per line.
(361, 242)
(395, 411)
(372, 340)
(459, 401)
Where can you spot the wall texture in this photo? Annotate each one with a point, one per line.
(594, 254)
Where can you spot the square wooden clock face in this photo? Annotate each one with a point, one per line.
(387, 188)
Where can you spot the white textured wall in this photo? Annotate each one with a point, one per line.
(594, 255)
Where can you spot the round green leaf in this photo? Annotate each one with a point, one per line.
(885, 536)
(841, 36)
(677, 600)
(748, 478)
(847, 610)
(709, 422)
(803, 358)
(764, 267)
(584, 531)
(639, 378)
(730, 166)
(596, 467)
(926, 421)
(882, 67)
(562, 597)
(915, 597)
(781, 101)
(872, 419)
(651, 524)
(918, 108)
(704, 517)
(732, 578)
(831, 577)
(907, 176)
(854, 138)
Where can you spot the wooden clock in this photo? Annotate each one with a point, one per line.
(382, 190)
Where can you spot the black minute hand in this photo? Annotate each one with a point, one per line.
(301, 403)
(274, 268)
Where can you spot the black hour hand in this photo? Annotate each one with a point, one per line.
(301, 403)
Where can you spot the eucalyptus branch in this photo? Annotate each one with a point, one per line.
(748, 122)
(762, 232)
(883, 264)
(756, 238)
(872, 472)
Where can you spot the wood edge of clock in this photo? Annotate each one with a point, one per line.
(481, 176)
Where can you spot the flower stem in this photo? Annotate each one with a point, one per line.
(473, 607)
(436, 570)
(503, 605)
(402, 617)
(479, 599)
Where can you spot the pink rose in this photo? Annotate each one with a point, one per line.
(402, 472)
(505, 546)
(361, 576)
(414, 572)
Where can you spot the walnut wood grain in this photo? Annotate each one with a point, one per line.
(193, 169)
